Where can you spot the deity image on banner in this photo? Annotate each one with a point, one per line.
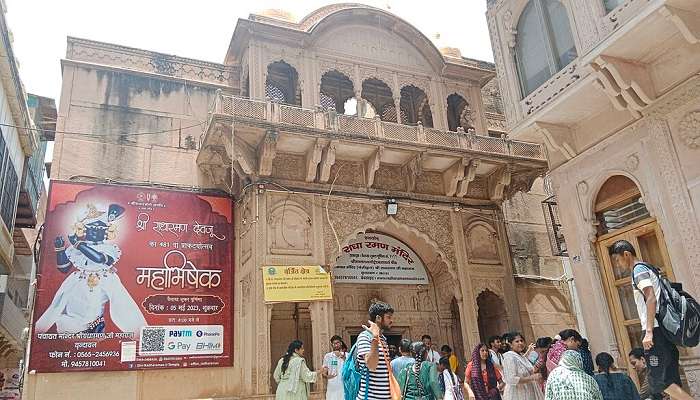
(89, 260)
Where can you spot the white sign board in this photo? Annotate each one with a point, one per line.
(377, 258)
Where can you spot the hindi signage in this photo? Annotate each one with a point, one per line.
(133, 278)
(296, 283)
(377, 258)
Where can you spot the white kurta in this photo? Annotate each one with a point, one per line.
(81, 298)
(335, 389)
(516, 367)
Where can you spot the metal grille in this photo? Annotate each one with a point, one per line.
(554, 229)
(441, 138)
(623, 215)
(296, 116)
(362, 126)
(400, 132)
(489, 145)
(249, 108)
(524, 149)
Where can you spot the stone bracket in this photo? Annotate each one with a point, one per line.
(240, 153)
(327, 161)
(469, 176)
(687, 22)
(313, 157)
(453, 175)
(372, 165)
(412, 170)
(627, 85)
(557, 137)
(498, 182)
(267, 152)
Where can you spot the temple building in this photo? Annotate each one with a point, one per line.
(343, 126)
(611, 88)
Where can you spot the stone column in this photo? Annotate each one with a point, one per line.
(360, 103)
(397, 105)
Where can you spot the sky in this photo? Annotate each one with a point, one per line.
(199, 29)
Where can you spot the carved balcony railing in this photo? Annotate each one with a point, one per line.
(370, 128)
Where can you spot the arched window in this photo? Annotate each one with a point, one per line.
(282, 84)
(611, 4)
(544, 44)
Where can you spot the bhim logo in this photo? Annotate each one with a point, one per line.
(180, 333)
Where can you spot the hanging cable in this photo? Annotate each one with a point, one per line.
(105, 134)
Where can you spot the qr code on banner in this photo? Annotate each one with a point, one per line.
(152, 339)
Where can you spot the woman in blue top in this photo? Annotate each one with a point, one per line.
(614, 385)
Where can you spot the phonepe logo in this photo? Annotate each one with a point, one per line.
(207, 334)
(180, 333)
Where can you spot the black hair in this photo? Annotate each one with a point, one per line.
(379, 309)
(493, 339)
(405, 346)
(446, 348)
(418, 349)
(637, 352)
(295, 345)
(605, 361)
(425, 337)
(445, 362)
(567, 334)
(544, 342)
(513, 335)
(336, 337)
(620, 247)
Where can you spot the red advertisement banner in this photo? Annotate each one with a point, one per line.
(133, 278)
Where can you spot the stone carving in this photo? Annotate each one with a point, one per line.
(482, 244)
(689, 129)
(245, 294)
(147, 61)
(290, 230)
(482, 284)
(632, 162)
(345, 69)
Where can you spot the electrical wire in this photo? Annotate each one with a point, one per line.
(105, 134)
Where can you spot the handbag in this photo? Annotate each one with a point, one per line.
(394, 387)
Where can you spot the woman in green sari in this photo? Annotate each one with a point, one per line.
(293, 376)
(419, 380)
(568, 381)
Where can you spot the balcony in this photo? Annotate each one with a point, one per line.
(330, 123)
(31, 189)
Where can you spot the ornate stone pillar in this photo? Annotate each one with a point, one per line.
(322, 326)
(360, 102)
(397, 105)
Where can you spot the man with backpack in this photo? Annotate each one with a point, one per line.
(660, 353)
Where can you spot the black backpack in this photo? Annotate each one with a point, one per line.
(678, 313)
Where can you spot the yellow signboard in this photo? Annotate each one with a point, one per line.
(296, 283)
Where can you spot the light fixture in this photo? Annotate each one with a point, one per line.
(391, 207)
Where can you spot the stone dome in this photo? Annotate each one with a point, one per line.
(280, 14)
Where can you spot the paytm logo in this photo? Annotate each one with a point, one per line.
(181, 333)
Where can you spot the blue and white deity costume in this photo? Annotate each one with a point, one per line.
(78, 305)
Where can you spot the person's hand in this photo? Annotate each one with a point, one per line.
(59, 242)
(648, 341)
(372, 328)
(323, 371)
(530, 348)
(537, 377)
(73, 239)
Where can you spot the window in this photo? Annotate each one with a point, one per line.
(611, 4)
(544, 44)
(8, 186)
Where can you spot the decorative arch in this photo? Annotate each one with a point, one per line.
(458, 112)
(378, 93)
(482, 243)
(416, 103)
(328, 17)
(594, 189)
(338, 87)
(421, 244)
(492, 318)
(282, 82)
(290, 229)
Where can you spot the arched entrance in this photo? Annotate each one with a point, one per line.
(428, 307)
(622, 215)
(492, 316)
(289, 321)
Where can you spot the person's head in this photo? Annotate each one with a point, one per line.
(623, 254)
(571, 338)
(605, 362)
(405, 347)
(381, 314)
(517, 343)
(637, 360)
(543, 344)
(427, 340)
(418, 351)
(296, 347)
(444, 364)
(483, 352)
(393, 351)
(571, 359)
(337, 343)
(445, 351)
(494, 342)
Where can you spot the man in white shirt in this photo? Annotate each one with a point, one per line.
(432, 355)
(495, 352)
(334, 362)
(661, 355)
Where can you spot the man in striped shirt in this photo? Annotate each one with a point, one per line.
(373, 351)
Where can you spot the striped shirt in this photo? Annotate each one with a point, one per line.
(379, 379)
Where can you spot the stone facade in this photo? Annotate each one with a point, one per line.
(270, 127)
(625, 106)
